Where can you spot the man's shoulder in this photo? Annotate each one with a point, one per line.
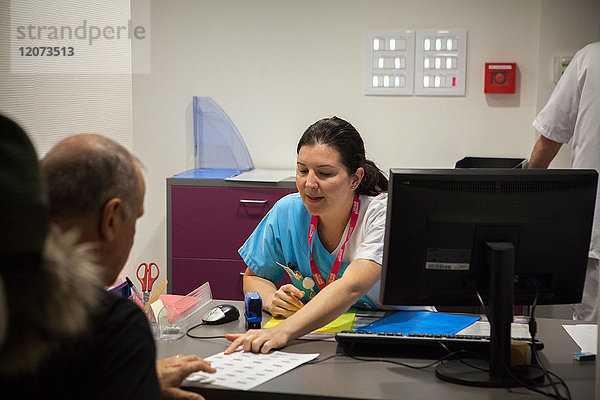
(110, 303)
(119, 316)
(115, 355)
(122, 336)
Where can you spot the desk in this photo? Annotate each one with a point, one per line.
(346, 378)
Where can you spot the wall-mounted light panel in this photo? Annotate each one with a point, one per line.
(390, 62)
(423, 62)
(440, 62)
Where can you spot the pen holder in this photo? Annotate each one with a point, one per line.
(169, 315)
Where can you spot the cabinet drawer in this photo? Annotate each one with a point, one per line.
(224, 277)
(213, 222)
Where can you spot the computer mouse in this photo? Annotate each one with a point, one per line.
(221, 314)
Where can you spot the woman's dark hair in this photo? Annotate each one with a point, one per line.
(343, 137)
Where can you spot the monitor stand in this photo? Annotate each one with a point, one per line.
(497, 372)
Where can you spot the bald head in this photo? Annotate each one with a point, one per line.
(84, 171)
(95, 186)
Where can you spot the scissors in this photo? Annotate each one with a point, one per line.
(147, 279)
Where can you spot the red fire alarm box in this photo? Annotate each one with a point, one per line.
(500, 77)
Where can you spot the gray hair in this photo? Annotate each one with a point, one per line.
(84, 172)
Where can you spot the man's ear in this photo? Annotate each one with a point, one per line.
(111, 219)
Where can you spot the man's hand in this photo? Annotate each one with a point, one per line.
(173, 370)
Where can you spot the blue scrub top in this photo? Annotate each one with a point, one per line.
(282, 236)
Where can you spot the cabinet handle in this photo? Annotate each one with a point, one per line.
(253, 201)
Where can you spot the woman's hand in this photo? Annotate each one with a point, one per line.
(258, 340)
(278, 302)
(286, 301)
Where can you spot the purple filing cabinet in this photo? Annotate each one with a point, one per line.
(207, 222)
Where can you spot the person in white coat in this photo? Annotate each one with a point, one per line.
(573, 111)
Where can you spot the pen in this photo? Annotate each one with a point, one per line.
(296, 272)
(155, 294)
(136, 296)
(290, 270)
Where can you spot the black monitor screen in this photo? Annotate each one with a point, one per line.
(438, 222)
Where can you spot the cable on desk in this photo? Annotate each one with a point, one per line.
(433, 363)
(188, 334)
(317, 361)
(462, 360)
(533, 386)
(533, 332)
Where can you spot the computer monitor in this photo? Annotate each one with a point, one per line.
(508, 234)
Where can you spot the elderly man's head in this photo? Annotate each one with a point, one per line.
(96, 187)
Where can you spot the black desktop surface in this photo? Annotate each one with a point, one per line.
(342, 377)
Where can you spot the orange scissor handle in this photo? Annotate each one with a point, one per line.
(147, 278)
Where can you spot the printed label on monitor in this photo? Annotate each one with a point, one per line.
(448, 259)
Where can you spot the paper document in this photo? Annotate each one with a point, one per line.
(427, 322)
(243, 371)
(263, 175)
(342, 323)
(585, 335)
(482, 328)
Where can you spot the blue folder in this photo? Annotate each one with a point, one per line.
(123, 290)
(422, 322)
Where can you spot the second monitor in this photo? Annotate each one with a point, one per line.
(438, 222)
(508, 236)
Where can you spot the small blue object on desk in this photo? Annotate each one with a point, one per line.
(584, 356)
(420, 322)
(253, 310)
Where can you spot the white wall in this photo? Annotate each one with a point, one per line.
(277, 66)
(51, 107)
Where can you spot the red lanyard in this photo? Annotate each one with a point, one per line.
(314, 220)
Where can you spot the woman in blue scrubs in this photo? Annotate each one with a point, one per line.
(331, 232)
